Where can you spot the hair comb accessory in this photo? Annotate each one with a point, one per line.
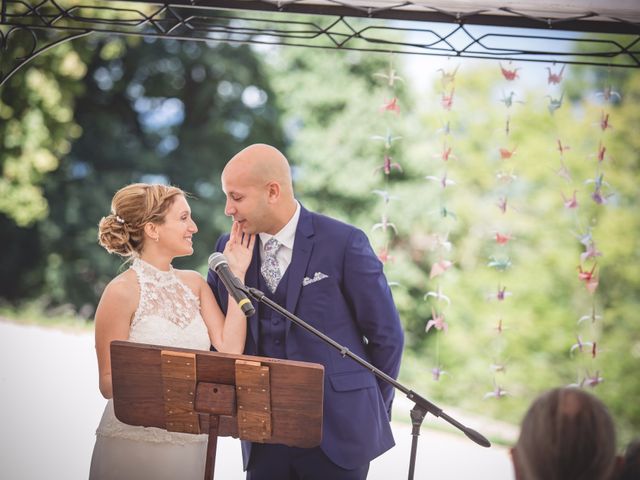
(119, 219)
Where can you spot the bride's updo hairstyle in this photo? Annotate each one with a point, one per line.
(132, 207)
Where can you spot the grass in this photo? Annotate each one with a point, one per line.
(35, 312)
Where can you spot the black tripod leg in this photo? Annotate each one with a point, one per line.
(417, 416)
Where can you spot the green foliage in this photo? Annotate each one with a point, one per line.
(331, 110)
(36, 128)
(177, 112)
(158, 111)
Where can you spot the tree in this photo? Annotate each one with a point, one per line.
(151, 110)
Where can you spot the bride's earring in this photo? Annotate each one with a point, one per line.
(157, 239)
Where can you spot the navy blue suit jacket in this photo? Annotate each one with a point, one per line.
(354, 306)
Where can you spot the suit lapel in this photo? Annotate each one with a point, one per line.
(302, 248)
(251, 280)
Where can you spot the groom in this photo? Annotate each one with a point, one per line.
(326, 273)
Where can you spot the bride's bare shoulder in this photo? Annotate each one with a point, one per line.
(123, 288)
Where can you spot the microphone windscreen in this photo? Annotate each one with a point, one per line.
(216, 259)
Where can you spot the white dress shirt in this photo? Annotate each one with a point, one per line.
(286, 237)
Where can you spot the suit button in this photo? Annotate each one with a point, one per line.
(277, 342)
(275, 321)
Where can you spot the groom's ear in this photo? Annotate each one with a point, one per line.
(273, 191)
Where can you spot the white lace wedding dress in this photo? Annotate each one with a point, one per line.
(168, 313)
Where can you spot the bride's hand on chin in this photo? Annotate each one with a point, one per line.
(239, 249)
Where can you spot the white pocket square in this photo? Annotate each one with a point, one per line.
(316, 278)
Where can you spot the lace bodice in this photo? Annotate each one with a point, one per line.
(168, 314)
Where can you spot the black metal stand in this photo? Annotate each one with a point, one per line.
(422, 405)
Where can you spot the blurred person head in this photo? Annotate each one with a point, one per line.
(259, 190)
(630, 468)
(567, 433)
(148, 218)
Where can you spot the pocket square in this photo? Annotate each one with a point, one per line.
(316, 278)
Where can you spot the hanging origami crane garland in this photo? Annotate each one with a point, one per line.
(386, 162)
(438, 242)
(502, 235)
(588, 344)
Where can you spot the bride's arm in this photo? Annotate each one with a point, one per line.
(113, 318)
(228, 334)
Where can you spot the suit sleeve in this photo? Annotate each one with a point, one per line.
(367, 291)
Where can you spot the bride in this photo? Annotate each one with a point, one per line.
(153, 303)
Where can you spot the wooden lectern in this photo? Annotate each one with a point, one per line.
(259, 399)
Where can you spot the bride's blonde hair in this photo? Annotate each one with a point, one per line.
(132, 207)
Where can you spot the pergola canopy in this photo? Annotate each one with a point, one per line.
(591, 32)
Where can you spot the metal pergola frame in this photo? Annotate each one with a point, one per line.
(586, 38)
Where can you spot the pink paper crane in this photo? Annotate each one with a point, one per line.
(391, 106)
(555, 78)
(384, 257)
(506, 154)
(447, 100)
(604, 121)
(439, 268)
(602, 150)
(503, 238)
(437, 321)
(589, 277)
(388, 165)
(508, 74)
(445, 154)
(571, 202)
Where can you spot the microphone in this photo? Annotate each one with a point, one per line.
(218, 263)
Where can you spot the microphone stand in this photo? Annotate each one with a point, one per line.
(421, 407)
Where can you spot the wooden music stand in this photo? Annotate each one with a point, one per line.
(259, 399)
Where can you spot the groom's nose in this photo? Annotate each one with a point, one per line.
(229, 210)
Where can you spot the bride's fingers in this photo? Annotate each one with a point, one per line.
(252, 242)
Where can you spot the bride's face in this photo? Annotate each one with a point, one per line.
(176, 233)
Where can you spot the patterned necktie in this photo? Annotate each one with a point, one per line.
(270, 268)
